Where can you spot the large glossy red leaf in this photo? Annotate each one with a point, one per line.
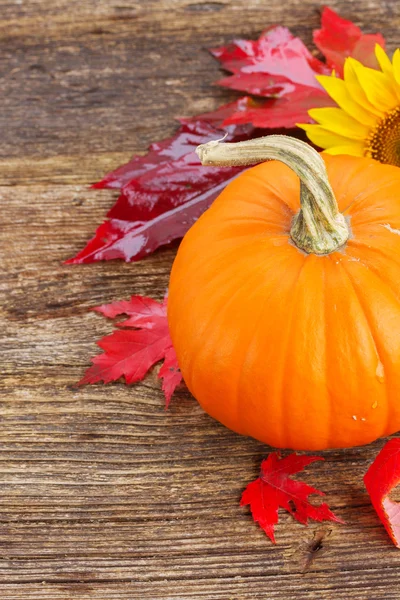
(380, 480)
(132, 241)
(182, 143)
(273, 65)
(159, 205)
(274, 489)
(338, 38)
(138, 344)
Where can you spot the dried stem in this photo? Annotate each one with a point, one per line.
(319, 227)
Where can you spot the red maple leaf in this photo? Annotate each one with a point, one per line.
(278, 66)
(338, 38)
(274, 489)
(273, 65)
(381, 478)
(138, 344)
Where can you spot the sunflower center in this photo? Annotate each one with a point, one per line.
(383, 143)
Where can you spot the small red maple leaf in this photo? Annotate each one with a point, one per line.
(338, 38)
(381, 478)
(274, 488)
(139, 343)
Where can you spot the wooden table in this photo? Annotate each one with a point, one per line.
(104, 494)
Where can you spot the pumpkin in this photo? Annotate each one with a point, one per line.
(284, 300)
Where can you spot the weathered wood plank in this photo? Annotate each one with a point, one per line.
(103, 494)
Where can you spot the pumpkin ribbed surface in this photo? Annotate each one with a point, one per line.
(297, 350)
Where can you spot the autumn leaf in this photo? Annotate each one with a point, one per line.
(150, 210)
(273, 65)
(338, 38)
(142, 312)
(279, 66)
(138, 344)
(170, 374)
(281, 112)
(274, 489)
(380, 480)
(183, 142)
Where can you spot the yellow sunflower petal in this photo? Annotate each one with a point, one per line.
(324, 138)
(377, 87)
(367, 119)
(396, 65)
(383, 60)
(338, 121)
(355, 90)
(387, 68)
(337, 90)
(352, 149)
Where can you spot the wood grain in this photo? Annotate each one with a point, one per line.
(104, 494)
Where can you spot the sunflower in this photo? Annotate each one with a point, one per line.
(367, 120)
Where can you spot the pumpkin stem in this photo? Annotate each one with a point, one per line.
(319, 227)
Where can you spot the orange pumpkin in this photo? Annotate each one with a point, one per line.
(286, 322)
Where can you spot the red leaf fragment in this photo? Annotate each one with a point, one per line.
(274, 488)
(143, 312)
(132, 352)
(170, 374)
(282, 112)
(380, 479)
(273, 65)
(338, 38)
